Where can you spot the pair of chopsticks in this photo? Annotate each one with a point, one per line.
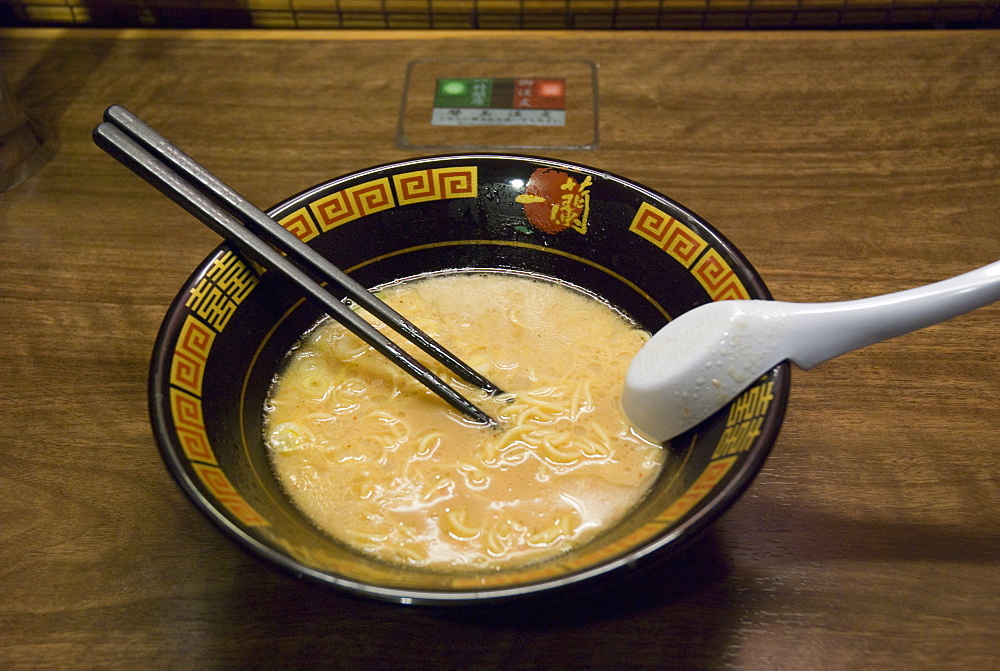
(179, 177)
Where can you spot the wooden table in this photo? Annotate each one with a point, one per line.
(843, 164)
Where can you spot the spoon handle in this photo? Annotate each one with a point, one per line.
(817, 332)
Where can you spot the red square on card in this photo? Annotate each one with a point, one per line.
(540, 94)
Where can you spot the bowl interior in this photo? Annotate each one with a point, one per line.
(227, 333)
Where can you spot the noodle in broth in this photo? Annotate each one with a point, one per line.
(378, 462)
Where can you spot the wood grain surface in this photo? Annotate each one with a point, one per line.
(843, 164)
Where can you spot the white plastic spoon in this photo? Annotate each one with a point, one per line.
(700, 361)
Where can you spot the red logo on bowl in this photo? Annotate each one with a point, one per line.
(554, 201)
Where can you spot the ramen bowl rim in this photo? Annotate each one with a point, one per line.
(660, 547)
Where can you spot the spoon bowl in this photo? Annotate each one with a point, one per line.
(702, 360)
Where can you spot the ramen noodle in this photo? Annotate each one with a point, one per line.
(380, 463)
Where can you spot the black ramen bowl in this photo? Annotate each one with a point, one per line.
(230, 327)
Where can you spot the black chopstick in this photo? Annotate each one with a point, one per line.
(277, 235)
(121, 145)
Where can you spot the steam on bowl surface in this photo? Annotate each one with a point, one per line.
(227, 333)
